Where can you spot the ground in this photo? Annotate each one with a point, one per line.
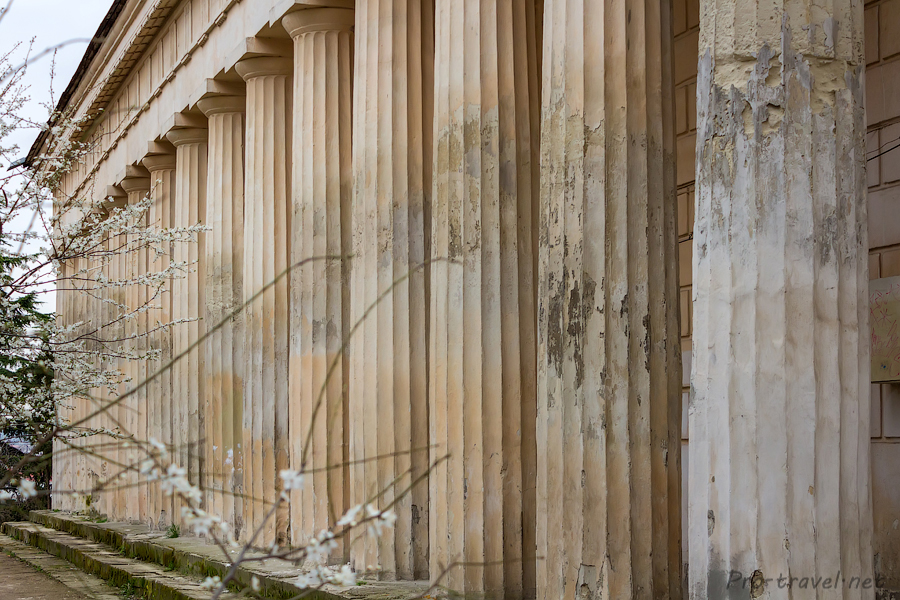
(20, 581)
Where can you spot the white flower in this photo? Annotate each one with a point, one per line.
(309, 580)
(378, 520)
(159, 446)
(293, 480)
(211, 583)
(27, 488)
(351, 517)
(199, 520)
(345, 577)
(5, 495)
(318, 550)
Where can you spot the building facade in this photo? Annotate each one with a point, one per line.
(588, 279)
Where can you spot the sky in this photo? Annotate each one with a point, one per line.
(45, 23)
(48, 22)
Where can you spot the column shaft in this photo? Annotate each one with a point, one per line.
(394, 87)
(779, 415)
(224, 293)
(609, 360)
(188, 383)
(120, 411)
(482, 330)
(266, 253)
(135, 415)
(159, 391)
(322, 183)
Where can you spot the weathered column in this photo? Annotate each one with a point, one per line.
(116, 199)
(159, 391)
(134, 419)
(224, 293)
(266, 252)
(482, 345)
(609, 374)
(188, 302)
(394, 87)
(104, 443)
(321, 221)
(779, 415)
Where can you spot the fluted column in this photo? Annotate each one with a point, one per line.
(320, 303)
(134, 419)
(104, 443)
(224, 293)
(482, 371)
(188, 303)
(159, 391)
(609, 370)
(266, 252)
(393, 97)
(116, 199)
(779, 415)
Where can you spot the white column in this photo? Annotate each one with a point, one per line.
(159, 391)
(321, 218)
(117, 199)
(188, 302)
(779, 414)
(482, 346)
(134, 419)
(392, 120)
(266, 252)
(224, 293)
(609, 374)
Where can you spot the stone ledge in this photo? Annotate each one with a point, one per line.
(195, 556)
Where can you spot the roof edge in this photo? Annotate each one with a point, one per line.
(90, 54)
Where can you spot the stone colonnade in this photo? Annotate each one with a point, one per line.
(453, 226)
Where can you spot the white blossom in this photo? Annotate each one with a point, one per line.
(293, 480)
(345, 577)
(211, 583)
(27, 488)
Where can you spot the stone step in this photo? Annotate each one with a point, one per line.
(61, 570)
(196, 558)
(145, 579)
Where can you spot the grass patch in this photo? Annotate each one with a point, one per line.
(173, 531)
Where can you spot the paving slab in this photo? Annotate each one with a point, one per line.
(27, 573)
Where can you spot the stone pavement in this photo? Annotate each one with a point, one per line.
(19, 581)
(30, 574)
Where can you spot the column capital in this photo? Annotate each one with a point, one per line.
(250, 68)
(180, 137)
(135, 184)
(116, 197)
(135, 179)
(215, 105)
(159, 162)
(318, 19)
